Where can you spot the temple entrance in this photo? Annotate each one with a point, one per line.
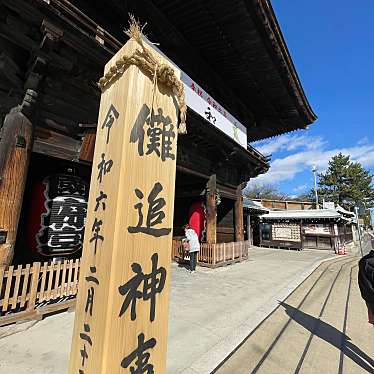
(225, 221)
(189, 194)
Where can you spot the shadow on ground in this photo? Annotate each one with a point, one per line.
(331, 335)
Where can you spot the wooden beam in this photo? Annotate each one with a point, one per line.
(52, 143)
(10, 70)
(125, 272)
(189, 193)
(15, 148)
(186, 170)
(239, 226)
(17, 137)
(88, 145)
(228, 192)
(211, 210)
(249, 233)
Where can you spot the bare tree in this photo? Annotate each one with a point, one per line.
(264, 191)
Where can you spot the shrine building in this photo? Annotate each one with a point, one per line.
(240, 86)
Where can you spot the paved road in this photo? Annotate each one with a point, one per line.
(211, 312)
(320, 328)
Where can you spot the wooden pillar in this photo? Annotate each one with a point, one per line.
(122, 306)
(211, 210)
(249, 233)
(239, 225)
(15, 149)
(88, 145)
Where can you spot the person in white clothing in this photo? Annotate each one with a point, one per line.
(193, 245)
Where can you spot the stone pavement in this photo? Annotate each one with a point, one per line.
(211, 312)
(320, 328)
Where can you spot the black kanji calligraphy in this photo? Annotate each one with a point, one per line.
(103, 167)
(84, 335)
(91, 278)
(63, 219)
(155, 214)
(67, 217)
(91, 291)
(209, 116)
(86, 338)
(62, 240)
(109, 120)
(161, 138)
(143, 287)
(84, 354)
(160, 132)
(140, 357)
(70, 185)
(137, 131)
(89, 300)
(71, 214)
(100, 201)
(96, 228)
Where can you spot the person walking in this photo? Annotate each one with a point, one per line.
(371, 237)
(366, 283)
(193, 244)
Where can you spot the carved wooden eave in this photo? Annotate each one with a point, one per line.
(242, 43)
(69, 94)
(278, 47)
(216, 153)
(235, 51)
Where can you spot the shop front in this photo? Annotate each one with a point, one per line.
(310, 229)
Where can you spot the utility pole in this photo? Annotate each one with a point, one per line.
(359, 230)
(314, 170)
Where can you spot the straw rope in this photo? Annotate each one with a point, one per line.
(145, 61)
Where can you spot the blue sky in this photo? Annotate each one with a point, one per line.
(331, 43)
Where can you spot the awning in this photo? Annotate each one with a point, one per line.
(302, 214)
(254, 205)
(343, 211)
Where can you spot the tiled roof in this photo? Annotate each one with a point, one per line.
(300, 214)
(255, 205)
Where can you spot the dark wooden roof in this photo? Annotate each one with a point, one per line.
(233, 49)
(215, 152)
(242, 42)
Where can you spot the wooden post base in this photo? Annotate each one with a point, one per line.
(211, 211)
(239, 226)
(15, 147)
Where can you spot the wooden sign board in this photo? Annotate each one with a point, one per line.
(122, 307)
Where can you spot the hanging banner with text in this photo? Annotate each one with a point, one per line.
(122, 308)
(208, 108)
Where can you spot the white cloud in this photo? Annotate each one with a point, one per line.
(289, 142)
(300, 188)
(311, 151)
(363, 141)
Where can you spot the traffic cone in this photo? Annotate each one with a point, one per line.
(342, 249)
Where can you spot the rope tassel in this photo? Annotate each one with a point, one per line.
(145, 61)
